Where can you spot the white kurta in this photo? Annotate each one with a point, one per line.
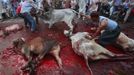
(73, 4)
(93, 6)
(82, 6)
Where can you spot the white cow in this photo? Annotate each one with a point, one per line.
(58, 15)
(125, 42)
(83, 46)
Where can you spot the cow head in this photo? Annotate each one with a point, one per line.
(18, 43)
(79, 35)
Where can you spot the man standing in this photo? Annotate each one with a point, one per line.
(116, 4)
(82, 6)
(26, 7)
(92, 6)
(131, 6)
(14, 5)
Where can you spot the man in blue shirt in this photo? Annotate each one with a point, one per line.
(110, 27)
(26, 7)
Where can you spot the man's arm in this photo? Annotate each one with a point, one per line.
(86, 16)
(101, 27)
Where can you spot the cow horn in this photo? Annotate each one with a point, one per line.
(23, 39)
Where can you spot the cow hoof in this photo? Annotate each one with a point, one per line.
(66, 32)
(50, 26)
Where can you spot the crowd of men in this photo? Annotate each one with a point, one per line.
(12, 8)
(8, 7)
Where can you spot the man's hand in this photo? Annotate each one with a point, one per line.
(93, 28)
(86, 16)
(81, 14)
(94, 36)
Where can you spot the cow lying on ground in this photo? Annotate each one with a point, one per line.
(9, 29)
(126, 42)
(84, 46)
(58, 15)
(40, 47)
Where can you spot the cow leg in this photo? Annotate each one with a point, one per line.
(50, 24)
(132, 49)
(36, 18)
(120, 57)
(52, 20)
(108, 53)
(55, 52)
(112, 55)
(69, 23)
(101, 56)
(86, 60)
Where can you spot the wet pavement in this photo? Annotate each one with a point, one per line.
(11, 62)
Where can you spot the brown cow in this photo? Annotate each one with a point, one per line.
(40, 47)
